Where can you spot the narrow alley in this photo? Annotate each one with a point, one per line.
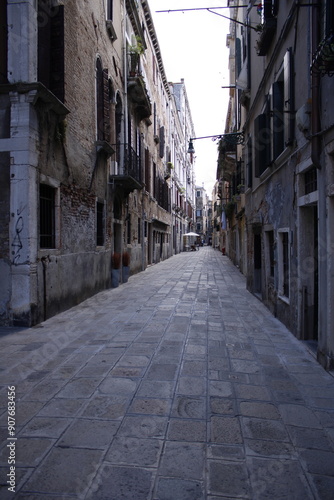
(178, 385)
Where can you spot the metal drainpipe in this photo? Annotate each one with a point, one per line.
(315, 92)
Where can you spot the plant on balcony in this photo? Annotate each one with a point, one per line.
(125, 266)
(135, 51)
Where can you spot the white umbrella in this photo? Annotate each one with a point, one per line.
(191, 234)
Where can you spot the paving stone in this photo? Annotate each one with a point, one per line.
(228, 479)
(278, 479)
(86, 433)
(252, 392)
(299, 416)
(221, 389)
(162, 371)
(303, 437)
(261, 410)
(194, 368)
(79, 388)
(28, 451)
(225, 451)
(183, 460)
(156, 388)
(324, 486)
(187, 430)
(108, 407)
(318, 461)
(144, 426)
(134, 451)
(51, 427)
(65, 471)
(267, 448)
(45, 390)
(256, 428)
(225, 430)
(179, 489)
(62, 407)
(117, 385)
(150, 406)
(121, 482)
(191, 386)
(189, 407)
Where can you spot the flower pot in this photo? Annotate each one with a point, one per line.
(115, 277)
(125, 273)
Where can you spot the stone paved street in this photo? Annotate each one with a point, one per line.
(179, 385)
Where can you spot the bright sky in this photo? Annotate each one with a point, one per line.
(193, 47)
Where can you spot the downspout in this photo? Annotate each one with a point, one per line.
(315, 92)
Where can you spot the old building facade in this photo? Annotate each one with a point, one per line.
(283, 61)
(88, 130)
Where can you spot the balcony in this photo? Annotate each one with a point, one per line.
(323, 61)
(127, 173)
(267, 33)
(139, 97)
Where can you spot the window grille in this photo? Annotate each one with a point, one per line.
(47, 235)
(310, 178)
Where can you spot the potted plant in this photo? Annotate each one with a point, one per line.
(135, 52)
(125, 267)
(115, 269)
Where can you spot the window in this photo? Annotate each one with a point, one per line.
(271, 258)
(47, 203)
(109, 10)
(310, 178)
(51, 47)
(198, 213)
(284, 263)
(103, 89)
(198, 194)
(262, 143)
(99, 224)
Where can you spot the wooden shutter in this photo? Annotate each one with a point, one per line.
(278, 118)
(162, 142)
(289, 112)
(106, 106)
(261, 143)
(99, 101)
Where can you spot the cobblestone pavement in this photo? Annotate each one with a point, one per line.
(179, 385)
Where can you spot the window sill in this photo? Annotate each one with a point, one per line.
(284, 299)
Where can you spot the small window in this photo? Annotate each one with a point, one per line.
(99, 224)
(47, 233)
(310, 178)
(271, 243)
(109, 10)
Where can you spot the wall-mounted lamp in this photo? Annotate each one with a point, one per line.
(232, 138)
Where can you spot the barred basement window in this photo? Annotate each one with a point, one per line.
(310, 178)
(47, 233)
(99, 224)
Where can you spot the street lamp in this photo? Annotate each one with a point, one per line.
(232, 138)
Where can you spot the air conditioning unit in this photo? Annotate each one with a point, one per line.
(113, 168)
